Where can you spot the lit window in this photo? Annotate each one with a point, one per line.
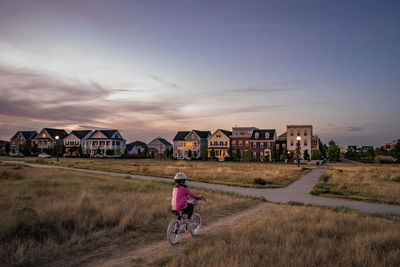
(234, 143)
(266, 135)
(256, 135)
(247, 142)
(240, 142)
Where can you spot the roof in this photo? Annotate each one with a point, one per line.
(107, 133)
(165, 142)
(202, 134)
(28, 135)
(180, 136)
(136, 143)
(283, 136)
(56, 132)
(262, 134)
(299, 126)
(227, 133)
(80, 134)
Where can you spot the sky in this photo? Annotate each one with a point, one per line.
(152, 68)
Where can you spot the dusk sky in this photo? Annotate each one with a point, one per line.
(151, 68)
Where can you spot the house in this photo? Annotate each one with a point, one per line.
(262, 143)
(220, 142)
(103, 143)
(366, 148)
(280, 143)
(47, 139)
(159, 145)
(191, 144)
(240, 139)
(136, 148)
(73, 143)
(304, 132)
(21, 139)
(390, 146)
(353, 149)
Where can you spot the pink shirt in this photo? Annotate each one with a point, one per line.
(179, 197)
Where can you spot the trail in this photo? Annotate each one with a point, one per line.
(142, 255)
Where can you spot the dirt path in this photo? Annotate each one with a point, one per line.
(143, 255)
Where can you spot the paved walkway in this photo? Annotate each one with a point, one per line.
(297, 191)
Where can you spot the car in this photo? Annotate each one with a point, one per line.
(18, 155)
(44, 155)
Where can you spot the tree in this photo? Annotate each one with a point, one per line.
(139, 151)
(190, 154)
(212, 154)
(306, 155)
(230, 153)
(274, 154)
(146, 150)
(238, 155)
(34, 149)
(80, 151)
(98, 151)
(333, 153)
(117, 151)
(204, 155)
(246, 156)
(316, 155)
(285, 154)
(109, 152)
(8, 147)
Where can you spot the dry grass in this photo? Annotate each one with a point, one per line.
(227, 173)
(370, 182)
(50, 215)
(296, 236)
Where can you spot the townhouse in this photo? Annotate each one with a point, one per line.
(191, 144)
(103, 143)
(219, 142)
(240, 138)
(21, 140)
(262, 143)
(73, 143)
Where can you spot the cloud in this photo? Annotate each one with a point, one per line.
(163, 81)
(354, 129)
(254, 89)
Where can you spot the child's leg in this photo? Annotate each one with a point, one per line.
(189, 210)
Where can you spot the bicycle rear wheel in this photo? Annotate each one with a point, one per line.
(173, 234)
(195, 227)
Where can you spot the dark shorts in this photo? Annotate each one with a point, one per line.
(188, 211)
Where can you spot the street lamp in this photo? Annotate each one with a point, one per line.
(57, 138)
(298, 151)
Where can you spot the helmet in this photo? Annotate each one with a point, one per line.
(180, 176)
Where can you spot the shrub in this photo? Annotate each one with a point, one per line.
(384, 159)
(260, 181)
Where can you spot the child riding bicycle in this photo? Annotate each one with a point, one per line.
(180, 195)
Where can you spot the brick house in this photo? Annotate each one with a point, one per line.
(262, 143)
(240, 138)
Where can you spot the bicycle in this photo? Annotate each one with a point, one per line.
(180, 226)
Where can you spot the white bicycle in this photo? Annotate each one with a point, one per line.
(180, 226)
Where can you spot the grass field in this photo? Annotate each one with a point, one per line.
(369, 182)
(56, 217)
(227, 173)
(296, 236)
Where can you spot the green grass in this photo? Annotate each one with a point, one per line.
(367, 182)
(57, 217)
(226, 173)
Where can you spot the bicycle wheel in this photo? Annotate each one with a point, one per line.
(195, 227)
(173, 234)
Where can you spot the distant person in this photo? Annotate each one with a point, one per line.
(180, 195)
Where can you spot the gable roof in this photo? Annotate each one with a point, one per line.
(54, 132)
(80, 134)
(261, 134)
(202, 134)
(165, 142)
(28, 135)
(107, 134)
(136, 143)
(180, 136)
(227, 133)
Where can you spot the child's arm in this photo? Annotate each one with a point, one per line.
(193, 195)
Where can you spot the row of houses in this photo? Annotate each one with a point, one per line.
(88, 142)
(192, 144)
(259, 142)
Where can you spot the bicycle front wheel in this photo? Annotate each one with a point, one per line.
(173, 234)
(195, 227)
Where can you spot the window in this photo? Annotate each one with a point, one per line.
(262, 144)
(305, 132)
(291, 142)
(226, 143)
(277, 146)
(240, 142)
(233, 143)
(247, 142)
(113, 143)
(210, 143)
(266, 135)
(298, 133)
(256, 135)
(291, 133)
(258, 144)
(254, 155)
(305, 142)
